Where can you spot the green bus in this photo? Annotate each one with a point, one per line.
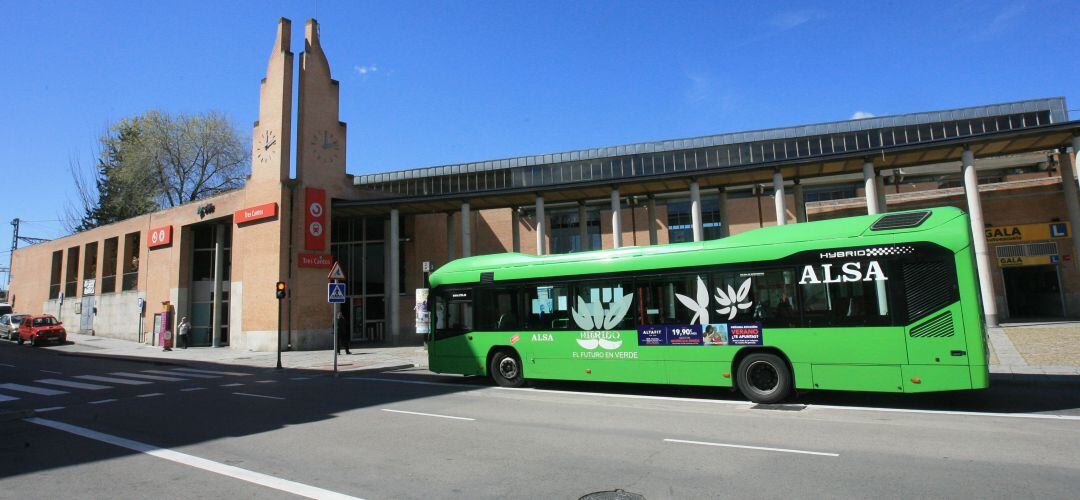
(871, 303)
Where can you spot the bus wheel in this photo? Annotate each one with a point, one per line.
(764, 378)
(505, 369)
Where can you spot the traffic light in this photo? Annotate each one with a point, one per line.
(281, 290)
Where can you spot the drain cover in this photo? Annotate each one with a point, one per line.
(613, 495)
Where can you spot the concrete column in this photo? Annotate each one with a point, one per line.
(870, 185)
(393, 302)
(800, 202)
(219, 274)
(778, 198)
(451, 237)
(1072, 204)
(880, 185)
(695, 212)
(616, 219)
(466, 231)
(540, 236)
(725, 226)
(650, 211)
(978, 236)
(583, 226)
(515, 228)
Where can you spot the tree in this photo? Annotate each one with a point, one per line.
(154, 161)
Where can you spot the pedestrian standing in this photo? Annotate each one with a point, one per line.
(342, 334)
(184, 329)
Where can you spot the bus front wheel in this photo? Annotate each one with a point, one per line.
(764, 378)
(505, 369)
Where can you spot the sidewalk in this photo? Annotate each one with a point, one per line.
(1046, 349)
(368, 359)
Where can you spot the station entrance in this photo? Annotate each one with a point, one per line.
(1033, 291)
(211, 263)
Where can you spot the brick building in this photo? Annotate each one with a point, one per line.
(216, 260)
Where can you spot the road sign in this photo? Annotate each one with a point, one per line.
(336, 273)
(335, 293)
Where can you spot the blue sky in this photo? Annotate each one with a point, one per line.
(430, 83)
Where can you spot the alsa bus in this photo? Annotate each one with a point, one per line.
(871, 303)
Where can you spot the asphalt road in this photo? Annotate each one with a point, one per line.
(87, 428)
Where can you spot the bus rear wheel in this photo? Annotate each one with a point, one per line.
(505, 369)
(764, 378)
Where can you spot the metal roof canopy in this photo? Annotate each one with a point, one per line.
(944, 150)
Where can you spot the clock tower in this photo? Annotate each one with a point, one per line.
(320, 136)
(270, 135)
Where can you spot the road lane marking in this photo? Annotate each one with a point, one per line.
(427, 414)
(299, 378)
(41, 391)
(51, 408)
(113, 380)
(745, 447)
(53, 372)
(265, 381)
(189, 389)
(150, 395)
(210, 372)
(257, 395)
(7, 365)
(7, 398)
(149, 377)
(102, 401)
(232, 471)
(234, 384)
(191, 375)
(1044, 416)
(72, 384)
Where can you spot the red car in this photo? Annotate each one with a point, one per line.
(40, 328)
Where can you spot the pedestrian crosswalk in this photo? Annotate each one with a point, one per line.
(58, 386)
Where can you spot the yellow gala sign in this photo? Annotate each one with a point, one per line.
(1027, 232)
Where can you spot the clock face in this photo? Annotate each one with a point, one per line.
(266, 146)
(325, 145)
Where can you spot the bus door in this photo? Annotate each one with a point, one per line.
(605, 343)
(453, 323)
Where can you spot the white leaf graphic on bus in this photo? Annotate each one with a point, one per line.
(732, 302)
(593, 316)
(700, 306)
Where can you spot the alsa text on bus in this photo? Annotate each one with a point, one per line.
(852, 271)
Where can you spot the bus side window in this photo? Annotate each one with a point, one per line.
(611, 298)
(547, 307)
(498, 309)
(657, 301)
(769, 298)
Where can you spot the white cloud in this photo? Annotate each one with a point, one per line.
(366, 70)
(791, 19)
(859, 115)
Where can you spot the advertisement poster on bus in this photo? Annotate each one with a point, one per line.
(685, 335)
(745, 333)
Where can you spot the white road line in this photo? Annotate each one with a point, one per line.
(211, 372)
(41, 391)
(733, 402)
(257, 395)
(74, 385)
(762, 448)
(7, 365)
(149, 377)
(265, 381)
(299, 378)
(102, 401)
(113, 380)
(191, 375)
(50, 371)
(234, 384)
(189, 389)
(7, 398)
(51, 408)
(232, 471)
(150, 395)
(427, 414)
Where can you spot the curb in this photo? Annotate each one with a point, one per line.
(123, 358)
(378, 369)
(1040, 378)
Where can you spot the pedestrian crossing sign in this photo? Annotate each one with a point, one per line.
(335, 293)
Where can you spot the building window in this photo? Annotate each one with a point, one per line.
(358, 244)
(566, 234)
(71, 276)
(108, 266)
(89, 274)
(54, 276)
(130, 263)
(680, 224)
(826, 193)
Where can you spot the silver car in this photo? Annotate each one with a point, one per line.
(9, 325)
